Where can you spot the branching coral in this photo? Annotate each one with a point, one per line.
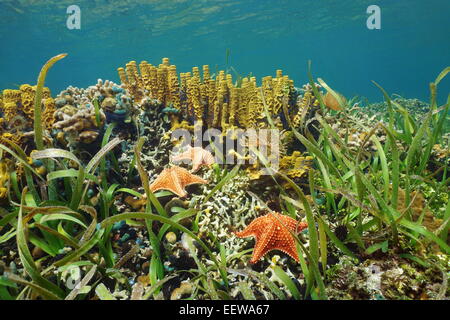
(77, 125)
(76, 115)
(230, 208)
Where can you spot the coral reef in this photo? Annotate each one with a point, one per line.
(77, 125)
(390, 278)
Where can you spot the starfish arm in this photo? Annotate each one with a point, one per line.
(158, 184)
(182, 157)
(292, 252)
(188, 179)
(197, 161)
(262, 245)
(292, 224)
(179, 192)
(175, 179)
(285, 242)
(252, 230)
(209, 159)
(301, 226)
(177, 186)
(167, 181)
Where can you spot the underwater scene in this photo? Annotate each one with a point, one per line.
(224, 150)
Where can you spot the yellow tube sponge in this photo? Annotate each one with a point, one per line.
(296, 165)
(134, 82)
(11, 102)
(4, 178)
(195, 106)
(161, 85)
(218, 100)
(49, 113)
(234, 103)
(174, 87)
(206, 75)
(166, 62)
(122, 76)
(27, 93)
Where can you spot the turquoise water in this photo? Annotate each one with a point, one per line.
(408, 52)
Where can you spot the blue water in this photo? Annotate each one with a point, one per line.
(408, 52)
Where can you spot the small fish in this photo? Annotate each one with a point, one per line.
(331, 102)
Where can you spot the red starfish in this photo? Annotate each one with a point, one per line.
(175, 179)
(198, 156)
(272, 233)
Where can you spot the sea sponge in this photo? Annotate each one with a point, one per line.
(136, 204)
(144, 68)
(48, 116)
(16, 138)
(417, 206)
(173, 88)
(219, 102)
(122, 75)
(185, 289)
(88, 136)
(133, 81)
(195, 106)
(27, 93)
(1, 105)
(11, 103)
(441, 154)
(21, 101)
(4, 178)
(296, 165)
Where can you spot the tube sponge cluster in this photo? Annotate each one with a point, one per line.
(219, 101)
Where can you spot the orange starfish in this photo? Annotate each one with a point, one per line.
(175, 179)
(272, 233)
(198, 156)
